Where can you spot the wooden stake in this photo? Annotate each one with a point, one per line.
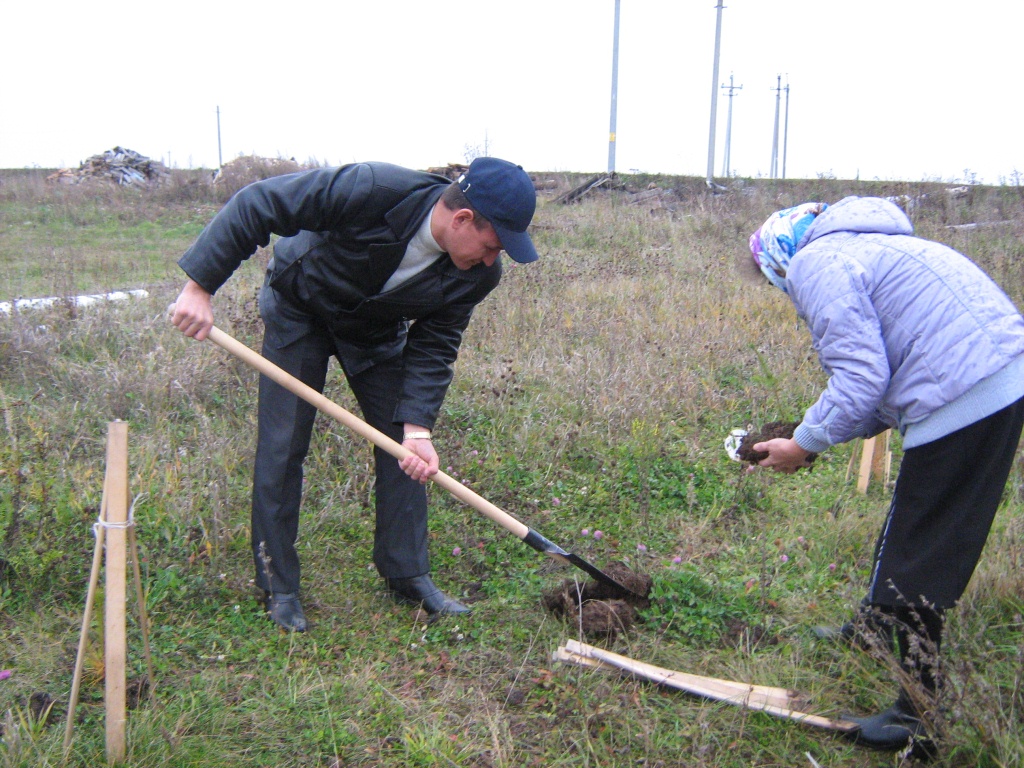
(881, 467)
(83, 640)
(780, 697)
(115, 630)
(853, 461)
(867, 453)
(741, 694)
(140, 597)
(117, 473)
(875, 460)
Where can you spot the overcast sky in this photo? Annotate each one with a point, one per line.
(890, 89)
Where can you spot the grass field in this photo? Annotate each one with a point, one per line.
(593, 392)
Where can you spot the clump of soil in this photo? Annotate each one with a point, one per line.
(40, 706)
(740, 634)
(136, 690)
(769, 431)
(599, 608)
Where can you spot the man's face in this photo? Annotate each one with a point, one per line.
(470, 245)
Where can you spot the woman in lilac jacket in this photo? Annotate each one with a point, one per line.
(913, 336)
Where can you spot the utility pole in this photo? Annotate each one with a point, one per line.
(714, 96)
(774, 172)
(726, 163)
(615, 92)
(785, 137)
(220, 159)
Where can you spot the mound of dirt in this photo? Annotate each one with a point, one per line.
(769, 431)
(245, 169)
(598, 608)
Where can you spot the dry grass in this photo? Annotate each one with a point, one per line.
(594, 390)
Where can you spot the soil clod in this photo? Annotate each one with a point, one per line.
(598, 608)
(769, 431)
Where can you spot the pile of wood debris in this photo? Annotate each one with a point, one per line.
(654, 198)
(454, 170)
(451, 171)
(118, 165)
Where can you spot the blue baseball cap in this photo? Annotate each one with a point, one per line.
(504, 195)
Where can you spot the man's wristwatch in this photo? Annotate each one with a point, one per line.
(415, 436)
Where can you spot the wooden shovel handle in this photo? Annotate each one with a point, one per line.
(361, 428)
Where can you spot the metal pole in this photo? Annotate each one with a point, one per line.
(714, 96)
(775, 134)
(785, 136)
(220, 159)
(615, 91)
(727, 162)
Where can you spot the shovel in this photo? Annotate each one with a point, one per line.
(385, 443)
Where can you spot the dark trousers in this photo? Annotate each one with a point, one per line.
(285, 425)
(946, 497)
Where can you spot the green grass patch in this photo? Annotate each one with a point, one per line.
(593, 394)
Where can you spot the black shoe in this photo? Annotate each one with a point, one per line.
(863, 632)
(894, 729)
(286, 611)
(420, 590)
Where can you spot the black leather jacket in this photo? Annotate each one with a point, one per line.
(343, 233)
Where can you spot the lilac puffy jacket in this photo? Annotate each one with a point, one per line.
(901, 325)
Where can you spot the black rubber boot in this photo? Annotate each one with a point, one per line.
(285, 610)
(918, 634)
(870, 628)
(421, 590)
(919, 638)
(892, 729)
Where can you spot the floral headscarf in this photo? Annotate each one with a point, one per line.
(774, 243)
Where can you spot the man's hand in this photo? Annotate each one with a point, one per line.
(192, 313)
(784, 455)
(424, 463)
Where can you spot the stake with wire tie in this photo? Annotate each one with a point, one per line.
(115, 532)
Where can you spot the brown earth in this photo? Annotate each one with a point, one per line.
(769, 431)
(598, 608)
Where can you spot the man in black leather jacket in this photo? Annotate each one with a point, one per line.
(381, 267)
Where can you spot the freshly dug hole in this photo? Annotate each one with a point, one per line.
(601, 609)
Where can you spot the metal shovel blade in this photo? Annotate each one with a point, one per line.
(551, 549)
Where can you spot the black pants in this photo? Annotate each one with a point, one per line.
(946, 497)
(301, 346)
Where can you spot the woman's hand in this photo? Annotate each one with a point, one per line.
(784, 455)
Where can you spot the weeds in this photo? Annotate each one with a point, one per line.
(592, 394)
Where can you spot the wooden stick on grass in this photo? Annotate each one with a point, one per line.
(775, 701)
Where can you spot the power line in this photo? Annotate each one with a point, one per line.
(220, 160)
(785, 137)
(714, 96)
(726, 163)
(615, 89)
(774, 168)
